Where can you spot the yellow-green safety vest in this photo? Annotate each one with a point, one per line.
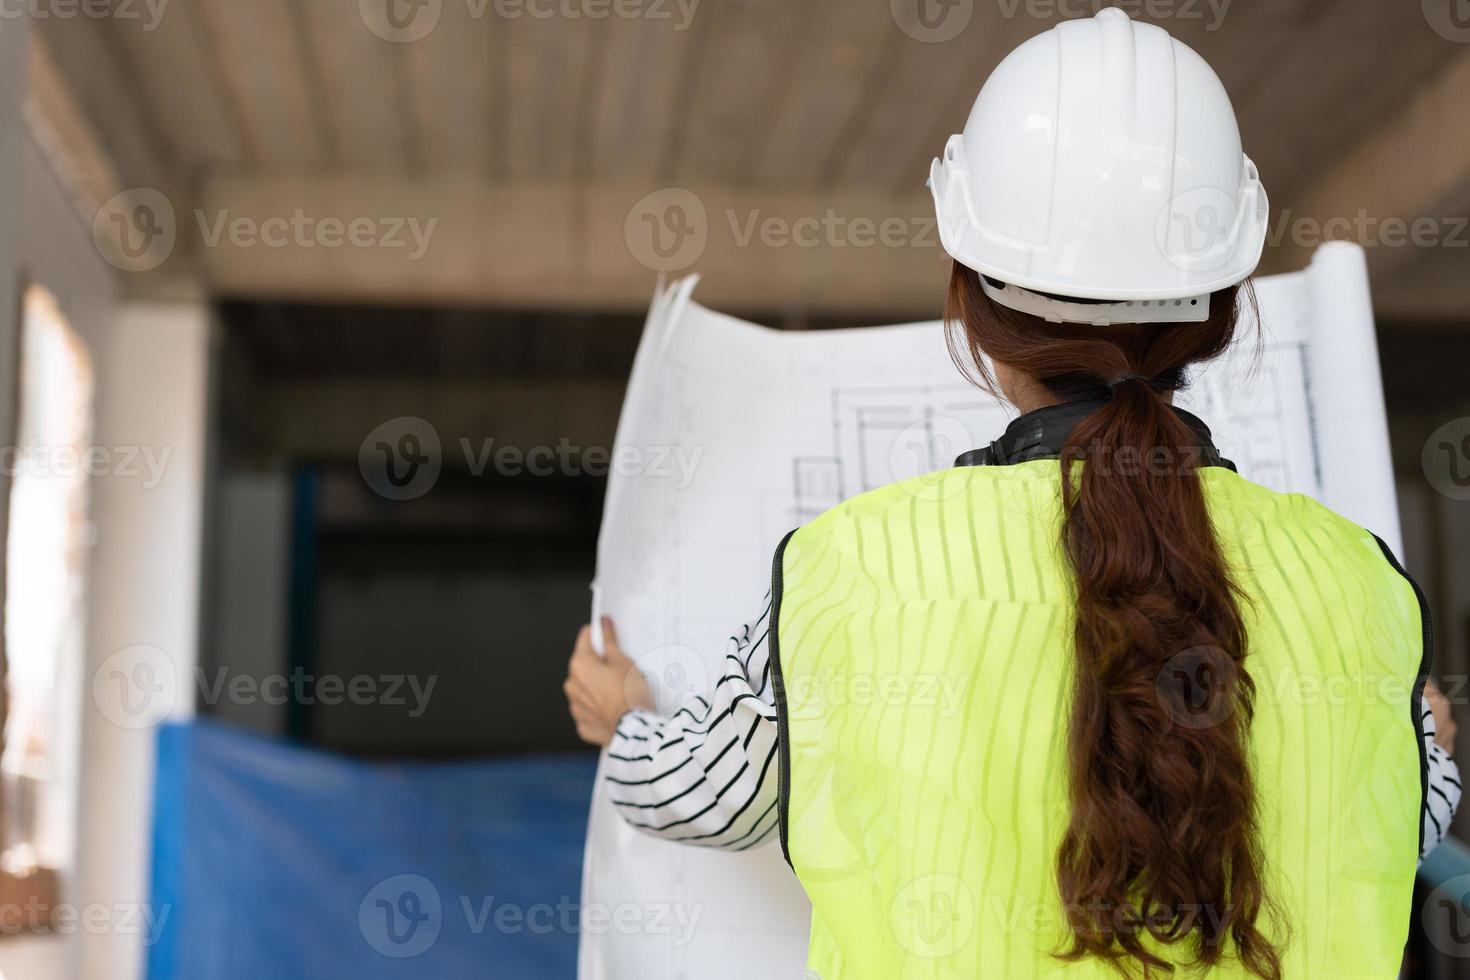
(922, 646)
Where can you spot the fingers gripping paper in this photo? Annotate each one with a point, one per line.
(732, 434)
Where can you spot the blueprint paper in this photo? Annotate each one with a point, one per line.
(781, 426)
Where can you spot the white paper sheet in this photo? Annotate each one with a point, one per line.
(777, 426)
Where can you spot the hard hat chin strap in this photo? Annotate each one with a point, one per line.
(1187, 309)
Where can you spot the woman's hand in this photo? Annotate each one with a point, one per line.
(600, 690)
(1444, 721)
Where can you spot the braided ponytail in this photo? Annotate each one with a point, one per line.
(1162, 846)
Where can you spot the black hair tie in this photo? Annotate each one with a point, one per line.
(1122, 379)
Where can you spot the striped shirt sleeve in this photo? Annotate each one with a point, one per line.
(1444, 786)
(706, 775)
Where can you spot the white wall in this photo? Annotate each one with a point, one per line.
(22, 958)
(150, 365)
(145, 569)
(55, 250)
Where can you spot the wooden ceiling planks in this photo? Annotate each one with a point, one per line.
(171, 71)
(252, 50)
(363, 89)
(104, 82)
(801, 103)
(750, 92)
(643, 64)
(742, 79)
(550, 58)
(845, 53)
(458, 90)
(1344, 72)
(927, 97)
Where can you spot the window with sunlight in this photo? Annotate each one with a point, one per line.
(44, 563)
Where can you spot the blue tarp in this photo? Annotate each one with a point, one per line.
(276, 861)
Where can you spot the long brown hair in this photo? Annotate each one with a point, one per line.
(1162, 846)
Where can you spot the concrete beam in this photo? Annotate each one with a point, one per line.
(463, 241)
(330, 419)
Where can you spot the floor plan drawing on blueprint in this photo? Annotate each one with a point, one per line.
(879, 431)
(782, 425)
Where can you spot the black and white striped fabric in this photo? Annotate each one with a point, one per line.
(707, 775)
(1444, 787)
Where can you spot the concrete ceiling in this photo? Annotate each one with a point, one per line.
(541, 146)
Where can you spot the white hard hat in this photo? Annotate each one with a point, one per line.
(1102, 161)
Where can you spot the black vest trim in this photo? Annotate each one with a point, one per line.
(1416, 701)
(778, 690)
(1042, 434)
